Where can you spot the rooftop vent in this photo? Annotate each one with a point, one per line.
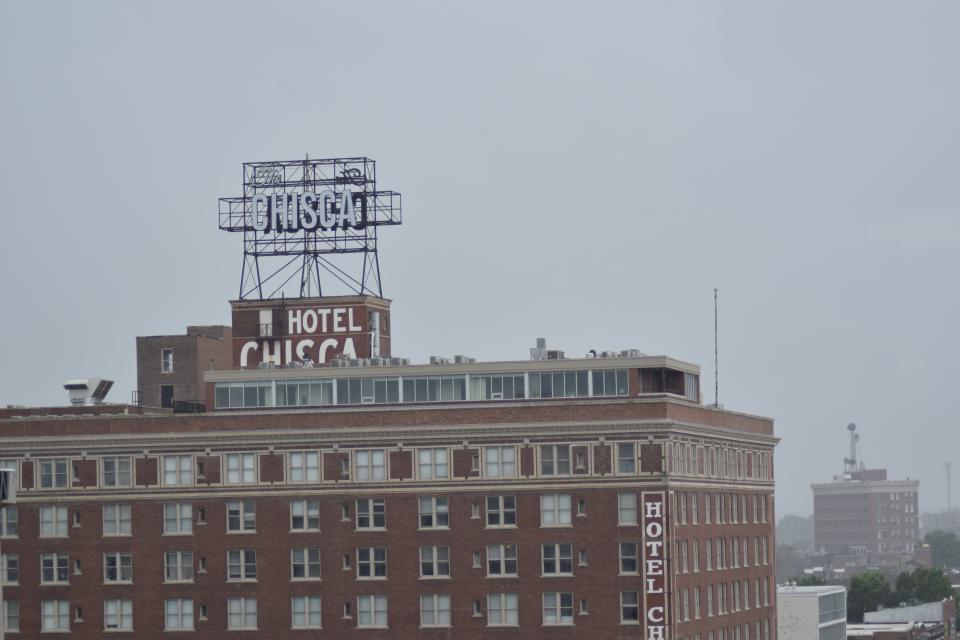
(87, 390)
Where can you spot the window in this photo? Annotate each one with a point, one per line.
(177, 518)
(371, 563)
(178, 566)
(554, 459)
(9, 569)
(434, 512)
(306, 612)
(8, 522)
(501, 511)
(696, 603)
(54, 568)
(117, 567)
(177, 470)
(554, 510)
(582, 559)
(433, 464)
(53, 522)
(501, 609)
(305, 515)
(55, 615)
(501, 462)
(241, 468)
(241, 565)
(241, 613)
(710, 601)
(372, 611)
(685, 566)
(371, 465)
(694, 508)
(435, 562)
(178, 614)
(502, 560)
(118, 615)
(626, 457)
(627, 508)
(53, 473)
(10, 615)
(166, 360)
(116, 471)
(696, 556)
(116, 520)
(305, 564)
(371, 513)
(303, 466)
(557, 608)
(434, 610)
(628, 557)
(629, 607)
(241, 516)
(557, 559)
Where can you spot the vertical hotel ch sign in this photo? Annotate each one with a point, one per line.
(654, 565)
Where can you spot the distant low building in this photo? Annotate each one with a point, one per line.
(901, 631)
(811, 613)
(946, 520)
(935, 616)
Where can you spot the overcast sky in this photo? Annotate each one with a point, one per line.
(587, 172)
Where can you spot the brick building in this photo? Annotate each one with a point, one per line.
(170, 368)
(371, 498)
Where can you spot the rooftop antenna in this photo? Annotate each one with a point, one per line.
(946, 468)
(716, 354)
(850, 464)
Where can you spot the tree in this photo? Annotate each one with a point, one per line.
(809, 580)
(867, 591)
(944, 548)
(922, 585)
(786, 562)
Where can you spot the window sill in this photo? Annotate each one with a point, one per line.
(305, 579)
(434, 578)
(556, 575)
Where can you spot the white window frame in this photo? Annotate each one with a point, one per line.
(501, 511)
(556, 510)
(57, 611)
(241, 613)
(310, 508)
(59, 562)
(246, 516)
(182, 516)
(621, 458)
(120, 611)
(166, 363)
(240, 468)
(500, 461)
(431, 565)
(117, 519)
(9, 564)
(310, 609)
(433, 463)
(553, 462)
(436, 606)
(555, 607)
(370, 465)
(433, 510)
(372, 510)
(10, 612)
(117, 472)
(635, 604)
(177, 470)
(118, 558)
(370, 608)
(506, 606)
(627, 556)
(557, 550)
(180, 561)
(303, 467)
(9, 521)
(500, 555)
(52, 471)
(239, 560)
(368, 560)
(309, 561)
(627, 509)
(53, 518)
(180, 610)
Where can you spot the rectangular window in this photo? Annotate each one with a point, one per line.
(166, 360)
(502, 560)
(434, 610)
(241, 468)
(502, 609)
(117, 567)
(371, 513)
(501, 462)
(434, 562)
(626, 457)
(554, 459)
(9, 569)
(177, 470)
(696, 556)
(303, 466)
(10, 616)
(306, 612)
(627, 508)
(178, 614)
(371, 563)
(241, 516)
(8, 522)
(177, 518)
(118, 615)
(629, 562)
(117, 519)
(53, 473)
(54, 568)
(434, 512)
(178, 566)
(501, 511)
(305, 564)
(116, 471)
(557, 559)
(557, 608)
(55, 615)
(433, 464)
(629, 607)
(372, 611)
(305, 515)
(241, 565)
(371, 465)
(241, 613)
(555, 510)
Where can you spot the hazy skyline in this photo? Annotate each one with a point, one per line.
(583, 172)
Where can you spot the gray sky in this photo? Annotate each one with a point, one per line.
(586, 172)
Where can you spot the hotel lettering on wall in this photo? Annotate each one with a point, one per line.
(654, 565)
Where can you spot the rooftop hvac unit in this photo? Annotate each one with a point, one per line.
(396, 362)
(631, 353)
(336, 362)
(462, 359)
(404, 361)
(608, 354)
(555, 354)
(294, 365)
(87, 390)
(539, 352)
(436, 360)
(354, 362)
(266, 365)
